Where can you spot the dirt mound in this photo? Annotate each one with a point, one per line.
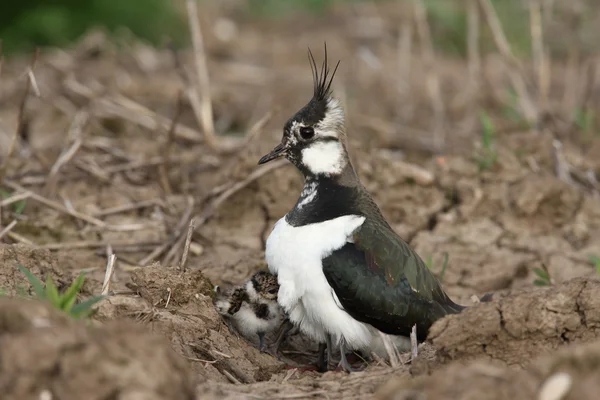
(179, 306)
(45, 354)
(569, 374)
(40, 262)
(520, 325)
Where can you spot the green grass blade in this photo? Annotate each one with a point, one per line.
(52, 292)
(38, 287)
(71, 293)
(444, 265)
(542, 274)
(85, 306)
(540, 282)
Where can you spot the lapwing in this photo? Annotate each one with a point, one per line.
(252, 308)
(344, 274)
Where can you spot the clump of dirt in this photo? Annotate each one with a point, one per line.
(40, 262)
(157, 284)
(569, 374)
(519, 325)
(44, 351)
(179, 306)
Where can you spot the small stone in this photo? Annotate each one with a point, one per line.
(556, 387)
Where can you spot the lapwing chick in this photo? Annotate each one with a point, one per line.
(252, 307)
(344, 274)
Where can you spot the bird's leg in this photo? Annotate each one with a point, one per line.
(261, 341)
(329, 349)
(231, 328)
(344, 361)
(285, 328)
(322, 362)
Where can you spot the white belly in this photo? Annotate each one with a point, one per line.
(294, 254)
(249, 325)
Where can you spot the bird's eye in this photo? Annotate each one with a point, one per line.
(307, 132)
(273, 290)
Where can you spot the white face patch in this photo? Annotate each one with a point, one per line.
(333, 123)
(324, 158)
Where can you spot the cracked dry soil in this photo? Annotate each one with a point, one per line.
(159, 336)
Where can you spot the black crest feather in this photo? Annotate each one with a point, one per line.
(322, 85)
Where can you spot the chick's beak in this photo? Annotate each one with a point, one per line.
(277, 152)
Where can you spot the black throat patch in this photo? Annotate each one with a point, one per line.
(322, 199)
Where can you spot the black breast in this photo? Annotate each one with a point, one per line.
(261, 310)
(332, 200)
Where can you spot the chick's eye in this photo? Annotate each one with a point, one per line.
(273, 290)
(307, 132)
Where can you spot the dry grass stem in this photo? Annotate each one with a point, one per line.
(469, 95)
(55, 205)
(20, 119)
(76, 214)
(136, 245)
(236, 187)
(432, 79)
(14, 198)
(391, 350)
(7, 229)
(227, 374)
(205, 113)
(188, 242)
(414, 346)
(110, 269)
(129, 207)
(20, 239)
(76, 135)
(528, 108)
(561, 167)
(163, 168)
(175, 235)
(539, 57)
(121, 107)
(405, 106)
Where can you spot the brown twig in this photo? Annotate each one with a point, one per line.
(14, 198)
(204, 114)
(163, 168)
(1, 58)
(128, 207)
(7, 229)
(75, 137)
(76, 214)
(188, 242)
(468, 97)
(18, 238)
(236, 187)
(128, 110)
(433, 79)
(93, 244)
(21, 116)
(110, 269)
(175, 235)
(404, 81)
(414, 348)
(539, 57)
(514, 70)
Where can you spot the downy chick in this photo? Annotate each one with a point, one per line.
(252, 308)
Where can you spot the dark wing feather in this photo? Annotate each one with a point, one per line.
(380, 280)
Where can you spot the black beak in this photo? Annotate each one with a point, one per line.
(277, 152)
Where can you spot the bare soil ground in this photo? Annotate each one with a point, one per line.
(103, 169)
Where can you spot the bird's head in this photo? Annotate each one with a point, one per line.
(263, 285)
(314, 138)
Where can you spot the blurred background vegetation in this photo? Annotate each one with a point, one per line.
(25, 24)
